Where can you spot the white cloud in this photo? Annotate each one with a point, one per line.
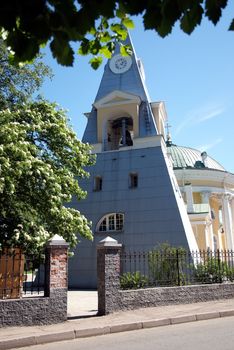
(198, 116)
(210, 115)
(184, 124)
(208, 146)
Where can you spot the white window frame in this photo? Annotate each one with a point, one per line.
(107, 217)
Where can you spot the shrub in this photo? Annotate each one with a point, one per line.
(133, 280)
(213, 270)
(166, 265)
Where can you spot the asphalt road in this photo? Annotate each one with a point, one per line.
(212, 334)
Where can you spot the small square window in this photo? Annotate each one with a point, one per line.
(97, 183)
(133, 180)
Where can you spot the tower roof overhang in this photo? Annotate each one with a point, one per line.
(116, 98)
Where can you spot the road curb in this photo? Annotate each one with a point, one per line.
(53, 337)
(17, 343)
(90, 332)
(117, 328)
(183, 319)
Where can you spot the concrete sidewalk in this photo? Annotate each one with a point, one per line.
(88, 324)
(82, 303)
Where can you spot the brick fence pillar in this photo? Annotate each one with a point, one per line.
(56, 272)
(108, 274)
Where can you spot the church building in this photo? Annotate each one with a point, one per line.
(143, 189)
(132, 192)
(208, 192)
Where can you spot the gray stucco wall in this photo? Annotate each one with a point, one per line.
(151, 211)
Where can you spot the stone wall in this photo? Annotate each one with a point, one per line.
(52, 308)
(111, 298)
(34, 310)
(108, 271)
(150, 297)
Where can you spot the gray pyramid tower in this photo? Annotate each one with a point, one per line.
(133, 194)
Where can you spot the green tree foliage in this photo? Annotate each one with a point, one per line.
(18, 83)
(41, 160)
(95, 24)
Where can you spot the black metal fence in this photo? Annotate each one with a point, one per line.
(20, 275)
(175, 267)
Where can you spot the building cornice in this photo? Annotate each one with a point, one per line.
(212, 175)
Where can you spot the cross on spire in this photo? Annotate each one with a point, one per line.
(167, 127)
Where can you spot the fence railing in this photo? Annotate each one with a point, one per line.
(175, 267)
(20, 275)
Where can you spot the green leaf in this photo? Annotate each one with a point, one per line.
(152, 17)
(120, 13)
(191, 19)
(25, 48)
(214, 9)
(84, 48)
(105, 37)
(116, 28)
(128, 23)
(231, 25)
(125, 50)
(95, 46)
(104, 23)
(106, 52)
(185, 5)
(62, 51)
(111, 46)
(120, 30)
(92, 31)
(164, 28)
(170, 12)
(96, 62)
(186, 24)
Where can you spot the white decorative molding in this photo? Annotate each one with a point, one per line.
(227, 179)
(116, 98)
(217, 191)
(160, 105)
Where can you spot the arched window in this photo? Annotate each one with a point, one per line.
(111, 222)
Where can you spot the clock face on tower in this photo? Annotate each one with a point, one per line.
(119, 64)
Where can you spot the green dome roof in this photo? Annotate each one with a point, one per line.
(186, 157)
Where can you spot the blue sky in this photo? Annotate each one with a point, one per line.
(193, 75)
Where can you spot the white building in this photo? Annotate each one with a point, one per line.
(208, 192)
